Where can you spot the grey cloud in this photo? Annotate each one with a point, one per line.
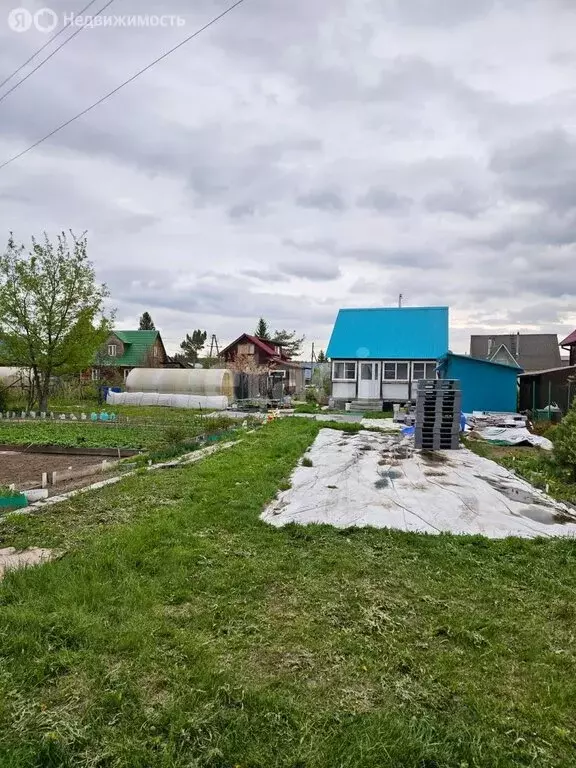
(266, 275)
(382, 256)
(384, 200)
(242, 210)
(440, 13)
(463, 201)
(318, 246)
(539, 229)
(311, 270)
(407, 259)
(215, 298)
(540, 168)
(322, 200)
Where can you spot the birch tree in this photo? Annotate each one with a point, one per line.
(52, 318)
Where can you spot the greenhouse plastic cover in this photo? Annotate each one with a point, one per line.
(213, 402)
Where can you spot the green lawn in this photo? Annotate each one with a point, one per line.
(179, 630)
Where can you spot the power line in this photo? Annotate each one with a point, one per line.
(54, 52)
(122, 85)
(46, 44)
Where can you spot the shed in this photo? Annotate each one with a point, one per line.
(538, 389)
(486, 385)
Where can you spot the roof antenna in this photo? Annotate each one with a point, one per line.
(400, 297)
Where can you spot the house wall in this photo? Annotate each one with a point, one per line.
(112, 339)
(390, 391)
(485, 387)
(344, 390)
(155, 357)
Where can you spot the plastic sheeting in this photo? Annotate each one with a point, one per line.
(182, 381)
(514, 436)
(213, 402)
(374, 479)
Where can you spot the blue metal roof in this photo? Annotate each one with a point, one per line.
(390, 333)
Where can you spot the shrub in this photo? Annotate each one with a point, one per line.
(311, 396)
(3, 398)
(174, 435)
(565, 442)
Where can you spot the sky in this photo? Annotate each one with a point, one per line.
(298, 157)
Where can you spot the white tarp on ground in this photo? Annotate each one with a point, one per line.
(214, 402)
(370, 478)
(514, 436)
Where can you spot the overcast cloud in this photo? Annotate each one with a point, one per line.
(302, 156)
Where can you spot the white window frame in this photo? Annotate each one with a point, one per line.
(112, 350)
(345, 363)
(425, 363)
(95, 374)
(395, 363)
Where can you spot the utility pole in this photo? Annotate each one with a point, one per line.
(214, 346)
(313, 357)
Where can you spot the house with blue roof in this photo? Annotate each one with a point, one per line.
(378, 354)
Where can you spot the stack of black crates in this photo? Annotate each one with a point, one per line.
(438, 409)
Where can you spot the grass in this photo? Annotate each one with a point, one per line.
(378, 415)
(178, 630)
(533, 464)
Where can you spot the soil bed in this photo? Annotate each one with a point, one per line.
(25, 469)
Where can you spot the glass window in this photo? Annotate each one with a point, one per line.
(350, 369)
(395, 371)
(390, 371)
(430, 370)
(112, 350)
(366, 371)
(345, 371)
(418, 371)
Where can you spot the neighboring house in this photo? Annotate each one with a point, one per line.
(251, 354)
(379, 354)
(486, 385)
(569, 343)
(125, 350)
(530, 351)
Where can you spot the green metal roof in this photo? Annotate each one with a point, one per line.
(137, 344)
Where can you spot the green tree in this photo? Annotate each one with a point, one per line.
(322, 357)
(52, 318)
(146, 322)
(291, 344)
(191, 347)
(262, 330)
(565, 442)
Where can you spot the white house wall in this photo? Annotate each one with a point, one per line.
(395, 390)
(344, 390)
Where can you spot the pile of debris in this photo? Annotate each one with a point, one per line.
(504, 429)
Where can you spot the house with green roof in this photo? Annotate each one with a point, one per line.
(125, 350)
